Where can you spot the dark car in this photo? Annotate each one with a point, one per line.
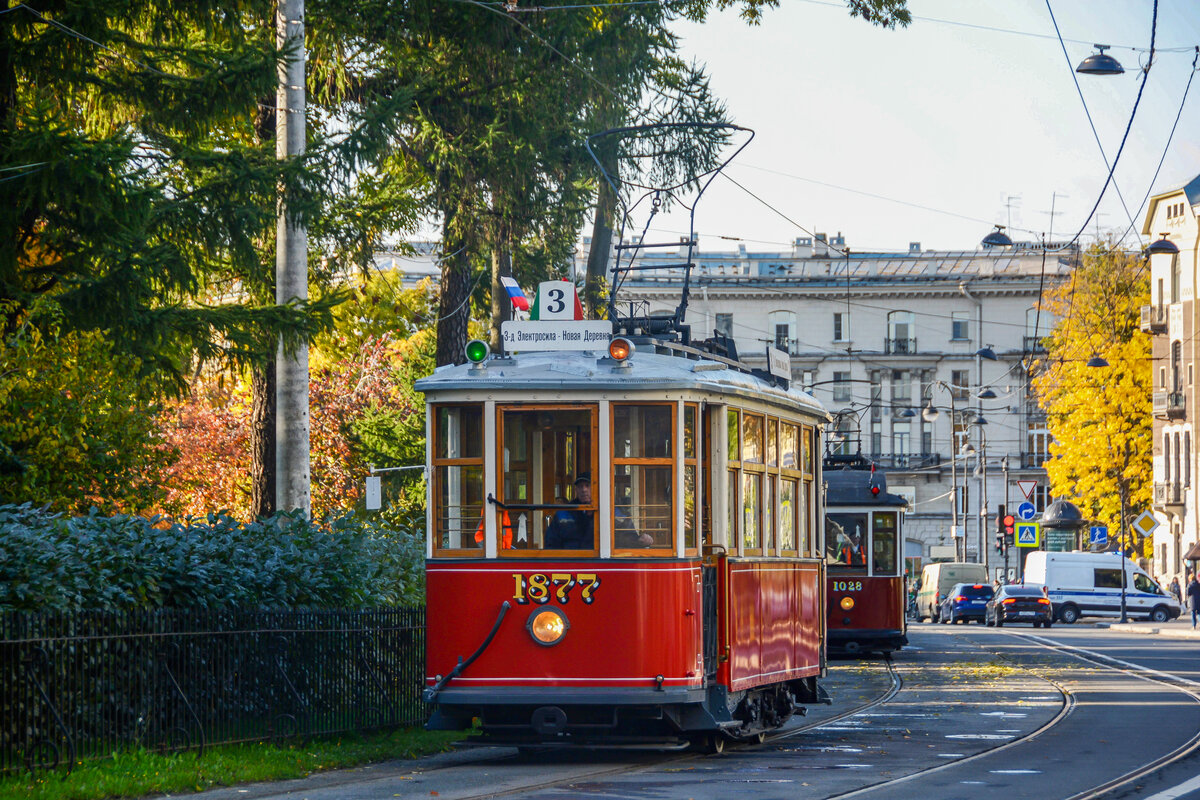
(965, 602)
(1019, 604)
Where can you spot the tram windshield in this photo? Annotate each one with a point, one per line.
(846, 540)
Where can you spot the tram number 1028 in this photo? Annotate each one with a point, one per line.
(847, 586)
(539, 588)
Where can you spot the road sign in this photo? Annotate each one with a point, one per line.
(1027, 488)
(1098, 535)
(1144, 523)
(1026, 511)
(1028, 534)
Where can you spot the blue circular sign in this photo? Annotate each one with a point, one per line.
(1026, 511)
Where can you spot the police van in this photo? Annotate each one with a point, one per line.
(1089, 584)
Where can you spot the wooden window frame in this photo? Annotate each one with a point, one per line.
(593, 410)
(622, 461)
(692, 462)
(436, 465)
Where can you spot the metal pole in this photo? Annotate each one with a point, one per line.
(292, 477)
(983, 510)
(1004, 467)
(954, 532)
(1121, 522)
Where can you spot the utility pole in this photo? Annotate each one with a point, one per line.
(292, 490)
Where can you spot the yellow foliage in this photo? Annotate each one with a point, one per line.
(1100, 417)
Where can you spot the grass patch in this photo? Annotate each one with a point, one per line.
(134, 774)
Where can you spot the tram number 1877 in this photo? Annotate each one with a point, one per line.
(539, 588)
(847, 586)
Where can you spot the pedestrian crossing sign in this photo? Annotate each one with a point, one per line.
(1028, 534)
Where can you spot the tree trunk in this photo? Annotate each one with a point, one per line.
(501, 267)
(262, 440)
(597, 264)
(454, 299)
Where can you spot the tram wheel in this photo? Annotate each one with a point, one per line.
(712, 743)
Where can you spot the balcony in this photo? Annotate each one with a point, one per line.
(1168, 404)
(1033, 460)
(1168, 494)
(899, 347)
(1033, 344)
(906, 460)
(1154, 319)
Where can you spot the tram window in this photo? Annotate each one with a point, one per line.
(806, 536)
(546, 452)
(788, 446)
(689, 507)
(751, 511)
(733, 424)
(807, 459)
(846, 540)
(459, 432)
(642, 507)
(689, 431)
(787, 515)
(772, 442)
(752, 438)
(643, 431)
(768, 535)
(883, 543)
(458, 476)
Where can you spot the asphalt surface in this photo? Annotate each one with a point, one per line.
(981, 713)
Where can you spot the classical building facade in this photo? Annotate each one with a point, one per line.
(877, 337)
(1171, 320)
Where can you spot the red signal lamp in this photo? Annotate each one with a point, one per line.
(1009, 521)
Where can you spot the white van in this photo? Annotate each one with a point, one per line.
(1082, 583)
(936, 580)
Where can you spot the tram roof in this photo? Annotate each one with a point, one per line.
(556, 371)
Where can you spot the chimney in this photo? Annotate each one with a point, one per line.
(821, 246)
(914, 247)
(802, 247)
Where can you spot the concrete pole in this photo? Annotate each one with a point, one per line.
(291, 272)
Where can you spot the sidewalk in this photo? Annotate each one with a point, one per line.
(1180, 628)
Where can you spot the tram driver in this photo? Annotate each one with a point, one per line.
(571, 529)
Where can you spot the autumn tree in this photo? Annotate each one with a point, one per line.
(1100, 417)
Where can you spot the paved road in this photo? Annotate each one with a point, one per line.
(981, 713)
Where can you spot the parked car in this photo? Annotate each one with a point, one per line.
(1019, 604)
(965, 602)
(936, 580)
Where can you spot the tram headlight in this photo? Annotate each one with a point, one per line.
(547, 626)
(476, 351)
(847, 603)
(620, 349)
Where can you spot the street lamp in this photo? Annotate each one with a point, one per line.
(930, 413)
(1100, 63)
(981, 471)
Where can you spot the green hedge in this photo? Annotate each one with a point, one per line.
(49, 562)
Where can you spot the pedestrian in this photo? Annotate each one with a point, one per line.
(1193, 596)
(1174, 588)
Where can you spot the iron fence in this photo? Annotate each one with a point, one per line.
(82, 685)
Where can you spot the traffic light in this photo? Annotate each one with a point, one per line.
(1004, 529)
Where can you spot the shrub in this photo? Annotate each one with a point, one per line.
(49, 562)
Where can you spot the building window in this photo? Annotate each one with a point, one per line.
(960, 325)
(1187, 458)
(1176, 466)
(782, 325)
(901, 431)
(725, 325)
(1041, 497)
(1162, 377)
(841, 387)
(1037, 446)
(960, 383)
(1166, 458)
(841, 326)
(926, 437)
(876, 437)
(901, 388)
(902, 337)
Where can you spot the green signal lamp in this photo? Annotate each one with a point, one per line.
(477, 351)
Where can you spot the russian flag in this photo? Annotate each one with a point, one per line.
(519, 301)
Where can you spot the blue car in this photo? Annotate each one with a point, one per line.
(965, 602)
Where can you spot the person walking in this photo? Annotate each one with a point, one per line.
(1174, 589)
(1193, 596)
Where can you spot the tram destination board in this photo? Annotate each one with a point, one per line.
(528, 335)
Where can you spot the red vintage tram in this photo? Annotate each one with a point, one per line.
(624, 545)
(865, 588)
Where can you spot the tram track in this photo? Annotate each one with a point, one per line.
(1069, 705)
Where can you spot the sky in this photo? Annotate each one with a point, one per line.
(967, 118)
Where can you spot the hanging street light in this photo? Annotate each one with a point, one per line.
(1100, 63)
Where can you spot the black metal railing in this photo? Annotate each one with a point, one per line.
(899, 346)
(1171, 404)
(80, 686)
(1034, 460)
(1033, 344)
(906, 460)
(1154, 319)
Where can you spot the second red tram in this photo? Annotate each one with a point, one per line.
(624, 547)
(865, 579)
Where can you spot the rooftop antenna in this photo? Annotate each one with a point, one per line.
(650, 144)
